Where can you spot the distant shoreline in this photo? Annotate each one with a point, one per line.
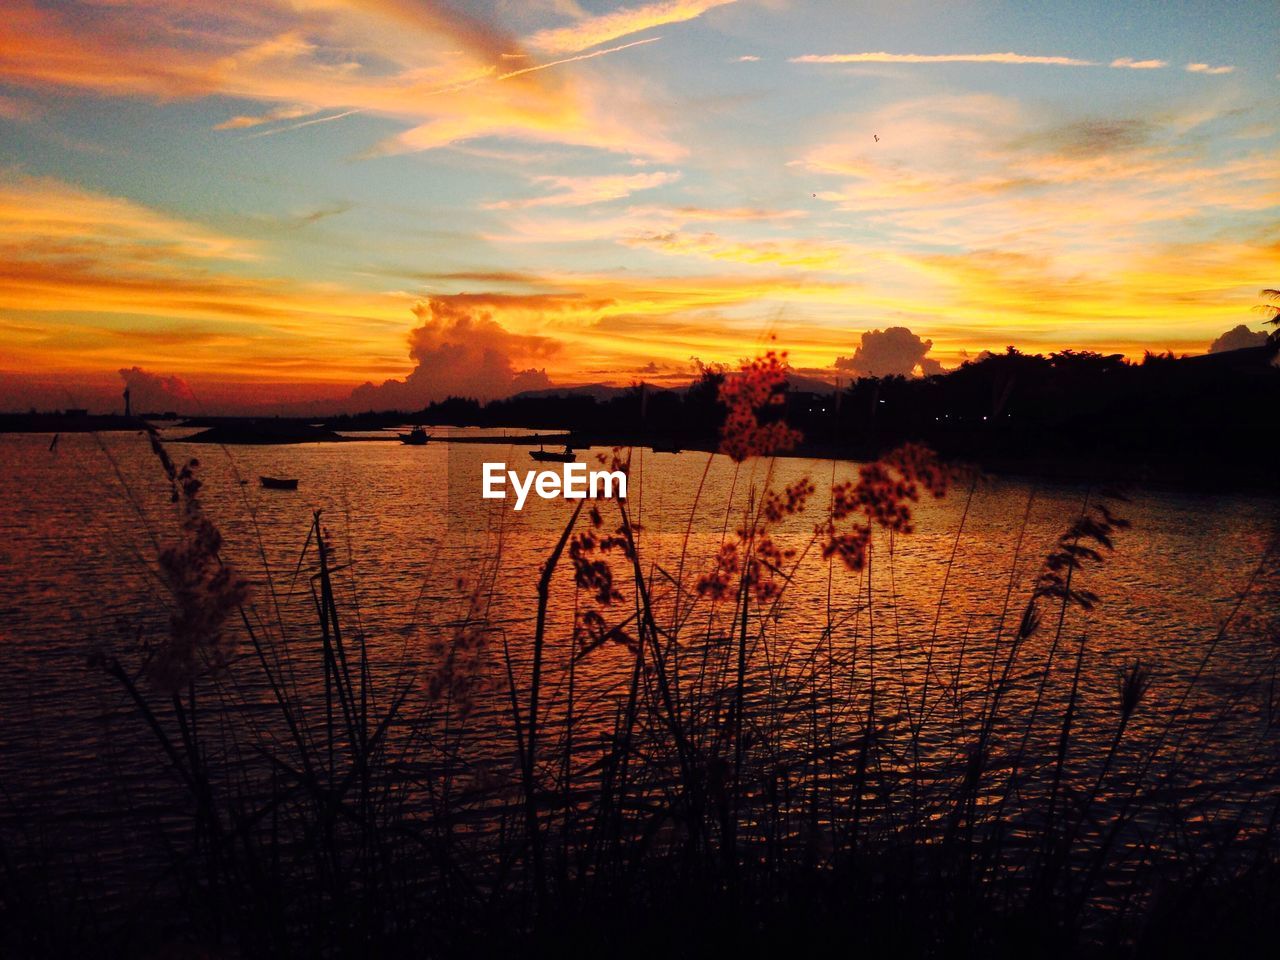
(237, 431)
(1189, 476)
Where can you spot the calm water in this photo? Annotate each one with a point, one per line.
(80, 528)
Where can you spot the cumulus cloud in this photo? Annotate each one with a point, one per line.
(1238, 338)
(152, 392)
(461, 351)
(892, 352)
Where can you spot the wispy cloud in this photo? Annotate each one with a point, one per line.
(725, 214)
(882, 57)
(645, 220)
(1190, 288)
(1040, 217)
(1210, 70)
(582, 191)
(245, 121)
(533, 115)
(42, 216)
(304, 218)
(979, 170)
(510, 74)
(304, 123)
(799, 254)
(1128, 63)
(445, 73)
(104, 283)
(1054, 230)
(592, 31)
(109, 279)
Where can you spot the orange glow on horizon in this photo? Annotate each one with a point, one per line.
(260, 205)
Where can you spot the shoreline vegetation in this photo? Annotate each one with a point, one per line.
(1197, 423)
(755, 779)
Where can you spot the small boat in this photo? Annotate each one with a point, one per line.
(278, 483)
(550, 456)
(417, 437)
(665, 447)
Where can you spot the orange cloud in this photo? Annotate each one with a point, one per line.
(634, 227)
(271, 116)
(480, 37)
(154, 284)
(804, 254)
(460, 350)
(330, 56)
(583, 191)
(43, 216)
(687, 214)
(1210, 70)
(979, 171)
(92, 282)
(1128, 63)
(592, 31)
(1175, 296)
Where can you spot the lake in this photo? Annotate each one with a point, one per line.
(414, 546)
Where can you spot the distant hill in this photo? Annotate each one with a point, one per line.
(1246, 358)
(273, 430)
(596, 391)
(799, 383)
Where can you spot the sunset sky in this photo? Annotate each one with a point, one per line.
(273, 202)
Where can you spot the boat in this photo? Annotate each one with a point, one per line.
(665, 447)
(416, 437)
(278, 483)
(551, 456)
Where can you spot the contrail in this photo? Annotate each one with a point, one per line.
(463, 86)
(544, 66)
(581, 56)
(304, 123)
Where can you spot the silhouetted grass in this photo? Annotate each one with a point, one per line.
(748, 782)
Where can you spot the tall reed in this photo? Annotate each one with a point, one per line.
(741, 777)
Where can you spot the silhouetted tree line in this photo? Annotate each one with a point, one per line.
(1205, 420)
